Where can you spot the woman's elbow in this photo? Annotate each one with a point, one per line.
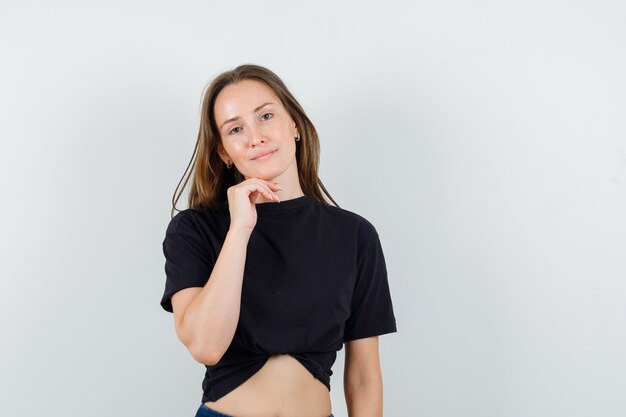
(204, 356)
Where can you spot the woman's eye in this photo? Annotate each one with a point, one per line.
(233, 129)
(266, 114)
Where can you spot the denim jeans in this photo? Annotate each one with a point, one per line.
(204, 411)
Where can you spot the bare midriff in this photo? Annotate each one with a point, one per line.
(283, 387)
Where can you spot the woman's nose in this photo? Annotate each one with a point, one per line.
(256, 134)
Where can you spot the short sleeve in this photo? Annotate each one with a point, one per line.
(371, 307)
(189, 259)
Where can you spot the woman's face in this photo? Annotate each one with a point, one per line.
(252, 121)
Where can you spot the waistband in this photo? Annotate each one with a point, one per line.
(204, 411)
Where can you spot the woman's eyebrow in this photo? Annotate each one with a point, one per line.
(237, 117)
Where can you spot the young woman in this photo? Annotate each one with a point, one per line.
(266, 280)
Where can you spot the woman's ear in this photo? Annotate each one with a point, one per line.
(222, 154)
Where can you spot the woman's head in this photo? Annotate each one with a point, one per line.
(252, 121)
(236, 142)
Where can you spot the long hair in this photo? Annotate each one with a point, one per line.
(211, 178)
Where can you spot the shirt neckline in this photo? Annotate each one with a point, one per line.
(276, 209)
(284, 206)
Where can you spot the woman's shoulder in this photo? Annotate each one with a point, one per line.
(180, 219)
(192, 219)
(352, 218)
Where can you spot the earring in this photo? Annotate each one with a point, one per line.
(298, 137)
(229, 165)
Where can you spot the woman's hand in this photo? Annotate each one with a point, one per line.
(242, 198)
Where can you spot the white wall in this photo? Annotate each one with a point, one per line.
(485, 140)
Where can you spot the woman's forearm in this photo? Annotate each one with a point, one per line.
(364, 399)
(211, 319)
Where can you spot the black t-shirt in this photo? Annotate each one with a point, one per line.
(314, 278)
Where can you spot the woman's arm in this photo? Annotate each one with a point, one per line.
(362, 378)
(208, 323)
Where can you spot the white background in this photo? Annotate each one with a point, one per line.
(485, 140)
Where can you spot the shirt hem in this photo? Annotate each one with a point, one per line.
(217, 392)
(371, 331)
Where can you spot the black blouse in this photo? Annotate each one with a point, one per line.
(314, 278)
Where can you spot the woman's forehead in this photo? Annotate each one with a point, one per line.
(241, 98)
(245, 92)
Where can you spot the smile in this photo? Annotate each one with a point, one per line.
(264, 156)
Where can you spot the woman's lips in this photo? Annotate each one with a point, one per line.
(264, 157)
